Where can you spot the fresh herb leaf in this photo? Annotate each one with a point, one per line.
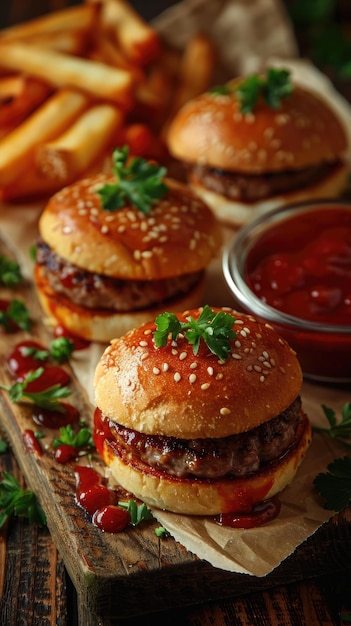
(16, 314)
(83, 438)
(335, 485)
(138, 512)
(3, 446)
(273, 88)
(140, 183)
(10, 272)
(46, 399)
(215, 329)
(338, 429)
(18, 501)
(162, 532)
(60, 350)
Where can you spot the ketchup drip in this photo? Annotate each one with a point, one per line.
(20, 363)
(260, 514)
(55, 419)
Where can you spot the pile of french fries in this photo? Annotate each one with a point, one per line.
(77, 82)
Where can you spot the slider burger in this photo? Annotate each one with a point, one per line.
(259, 142)
(200, 412)
(114, 250)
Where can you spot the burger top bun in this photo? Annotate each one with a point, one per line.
(170, 391)
(180, 234)
(211, 129)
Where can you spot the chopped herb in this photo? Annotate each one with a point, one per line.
(46, 399)
(335, 485)
(83, 438)
(18, 501)
(215, 329)
(16, 314)
(273, 88)
(10, 272)
(162, 532)
(3, 446)
(138, 512)
(140, 183)
(339, 430)
(60, 350)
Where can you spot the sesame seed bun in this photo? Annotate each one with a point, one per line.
(171, 392)
(163, 254)
(301, 135)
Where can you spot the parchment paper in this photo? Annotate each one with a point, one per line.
(255, 551)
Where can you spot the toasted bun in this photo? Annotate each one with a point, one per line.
(302, 132)
(170, 391)
(99, 325)
(237, 213)
(205, 497)
(179, 236)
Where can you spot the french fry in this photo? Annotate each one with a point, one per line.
(106, 51)
(81, 17)
(79, 146)
(48, 121)
(195, 73)
(73, 42)
(98, 79)
(19, 96)
(136, 38)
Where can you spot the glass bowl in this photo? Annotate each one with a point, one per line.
(308, 242)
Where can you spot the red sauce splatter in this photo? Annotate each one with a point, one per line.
(78, 342)
(55, 419)
(65, 453)
(260, 514)
(93, 495)
(111, 519)
(303, 266)
(52, 375)
(31, 442)
(20, 363)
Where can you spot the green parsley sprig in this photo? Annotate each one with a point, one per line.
(10, 272)
(17, 501)
(139, 183)
(60, 350)
(82, 439)
(335, 485)
(46, 399)
(273, 87)
(138, 512)
(16, 314)
(215, 329)
(338, 429)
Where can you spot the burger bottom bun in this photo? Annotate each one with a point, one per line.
(102, 325)
(235, 213)
(205, 497)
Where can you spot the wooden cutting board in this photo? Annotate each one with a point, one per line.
(135, 572)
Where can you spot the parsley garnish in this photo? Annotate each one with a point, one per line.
(10, 272)
(140, 183)
(16, 314)
(60, 349)
(46, 399)
(18, 501)
(138, 512)
(335, 485)
(340, 430)
(162, 532)
(83, 438)
(215, 329)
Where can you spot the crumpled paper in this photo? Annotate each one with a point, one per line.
(255, 33)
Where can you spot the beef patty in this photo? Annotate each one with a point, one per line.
(234, 456)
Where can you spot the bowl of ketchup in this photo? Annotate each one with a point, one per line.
(292, 269)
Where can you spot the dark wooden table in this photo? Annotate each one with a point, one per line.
(35, 589)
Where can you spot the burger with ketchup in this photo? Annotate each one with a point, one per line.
(116, 249)
(200, 412)
(259, 142)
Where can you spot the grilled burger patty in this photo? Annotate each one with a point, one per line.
(234, 456)
(95, 291)
(252, 187)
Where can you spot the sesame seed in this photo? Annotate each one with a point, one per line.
(266, 364)
(237, 343)
(257, 368)
(262, 379)
(104, 229)
(146, 254)
(177, 377)
(205, 386)
(143, 343)
(236, 356)
(219, 376)
(148, 331)
(265, 354)
(137, 255)
(249, 368)
(193, 365)
(174, 351)
(225, 411)
(155, 370)
(183, 356)
(210, 371)
(121, 229)
(165, 367)
(192, 378)
(144, 356)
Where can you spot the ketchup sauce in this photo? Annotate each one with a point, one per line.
(31, 443)
(20, 362)
(259, 515)
(50, 418)
(52, 375)
(303, 266)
